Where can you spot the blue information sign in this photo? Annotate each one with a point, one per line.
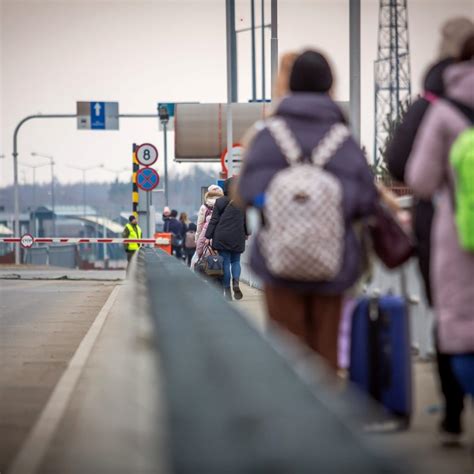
(147, 179)
(98, 115)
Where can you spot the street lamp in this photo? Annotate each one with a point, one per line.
(84, 170)
(51, 162)
(116, 172)
(34, 189)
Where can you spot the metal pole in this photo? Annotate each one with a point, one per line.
(52, 199)
(104, 233)
(354, 51)
(233, 36)
(84, 192)
(254, 65)
(274, 42)
(165, 136)
(263, 51)
(230, 5)
(34, 201)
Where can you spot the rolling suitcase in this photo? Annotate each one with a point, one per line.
(380, 362)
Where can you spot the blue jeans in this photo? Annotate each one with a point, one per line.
(463, 368)
(231, 265)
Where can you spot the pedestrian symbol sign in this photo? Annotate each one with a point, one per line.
(147, 179)
(97, 115)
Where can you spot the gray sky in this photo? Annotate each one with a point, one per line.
(139, 52)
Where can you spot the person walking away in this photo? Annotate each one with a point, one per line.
(311, 217)
(431, 174)
(228, 231)
(166, 215)
(131, 231)
(213, 193)
(173, 226)
(190, 242)
(453, 34)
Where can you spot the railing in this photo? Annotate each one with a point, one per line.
(55, 255)
(234, 404)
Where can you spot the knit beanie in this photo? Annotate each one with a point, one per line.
(311, 73)
(453, 35)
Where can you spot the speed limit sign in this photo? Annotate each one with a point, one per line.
(147, 154)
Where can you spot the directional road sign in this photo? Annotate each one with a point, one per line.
(27, 241)
(147, 179)
(97, 115)
(147, 154)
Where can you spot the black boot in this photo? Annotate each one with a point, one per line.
(237, 292)
(228, 294)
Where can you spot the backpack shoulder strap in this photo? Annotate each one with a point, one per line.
(285, 140)
(464, 109)
(329, 144)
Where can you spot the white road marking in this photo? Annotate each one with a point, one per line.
(33, 450)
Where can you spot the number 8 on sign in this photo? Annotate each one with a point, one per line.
(147, 154)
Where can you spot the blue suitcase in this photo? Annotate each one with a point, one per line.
(380, 362)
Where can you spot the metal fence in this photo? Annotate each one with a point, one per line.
(55, 255)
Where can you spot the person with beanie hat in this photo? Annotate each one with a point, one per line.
(131, 231)
(309, 309)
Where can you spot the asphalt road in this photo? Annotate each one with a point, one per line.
(41, 325)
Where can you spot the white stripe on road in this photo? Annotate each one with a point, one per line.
(31, 454)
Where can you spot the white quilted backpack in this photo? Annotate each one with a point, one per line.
(303, 235)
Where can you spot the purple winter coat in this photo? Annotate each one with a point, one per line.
(428, 172)
(310, 116)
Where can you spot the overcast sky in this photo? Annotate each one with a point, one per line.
(139, 52)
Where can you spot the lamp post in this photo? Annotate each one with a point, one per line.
(51, 162)
(33, 167)
(116, 172)
(84, 170)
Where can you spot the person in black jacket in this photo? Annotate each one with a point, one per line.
(173, 226)
(228, 231)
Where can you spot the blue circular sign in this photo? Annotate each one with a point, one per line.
(147, 179)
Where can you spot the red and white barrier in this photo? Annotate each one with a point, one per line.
(28, 240)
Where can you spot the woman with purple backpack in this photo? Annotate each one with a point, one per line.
(314, 215)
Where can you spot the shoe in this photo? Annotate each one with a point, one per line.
(228, 294)
(450, 434)
(237, 292)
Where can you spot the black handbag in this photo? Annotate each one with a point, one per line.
(213, 264)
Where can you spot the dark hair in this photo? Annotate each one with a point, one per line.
(311, 73)
(467, 50)
(131, 218)
(174, 213)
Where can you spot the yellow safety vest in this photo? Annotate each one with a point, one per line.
(134, 235)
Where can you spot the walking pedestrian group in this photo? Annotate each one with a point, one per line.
(324, 217)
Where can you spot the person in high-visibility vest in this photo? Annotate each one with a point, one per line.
(131, 231)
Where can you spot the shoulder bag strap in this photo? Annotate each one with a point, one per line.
(285, 140)
(329, 144)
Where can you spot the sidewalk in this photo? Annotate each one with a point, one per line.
(420, 442)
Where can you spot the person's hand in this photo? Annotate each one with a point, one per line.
(207, 242)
